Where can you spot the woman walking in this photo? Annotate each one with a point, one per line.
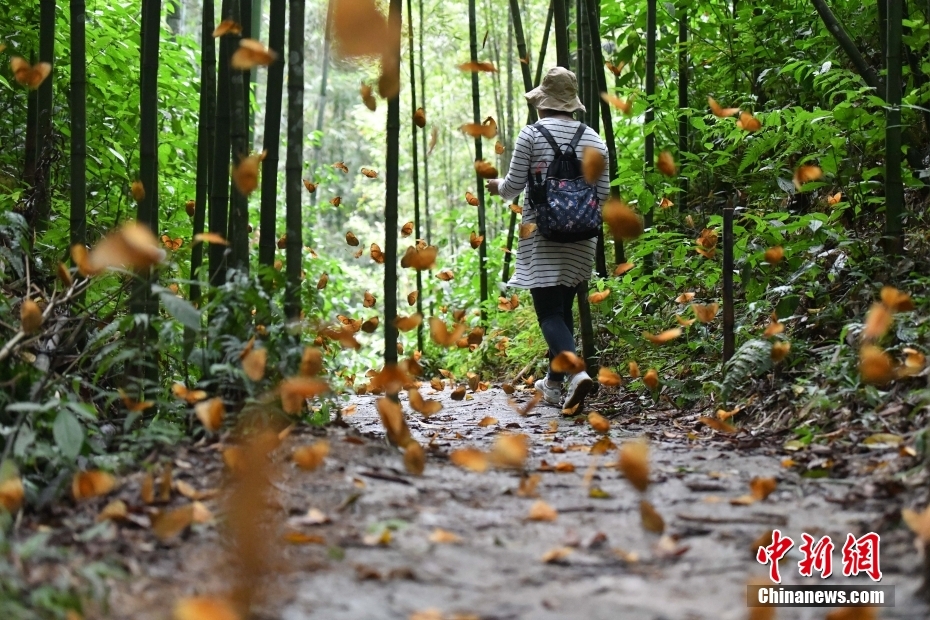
(552, 270)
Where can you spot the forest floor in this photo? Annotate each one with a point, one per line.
(606, 565)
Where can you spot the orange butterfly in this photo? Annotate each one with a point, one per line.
(471, 199)
(341, 166)
(227, 26)
(719, 111)
(336, 201)
(368, 172)
(171, 244)
(311, 187)
(28, 75)
(479, 66)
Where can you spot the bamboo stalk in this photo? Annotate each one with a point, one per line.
(78, 215)
(476, 111)
(683, 147)
(295, 156)
(894, 188)
(391, 184)
(416, 172)
(219, 178)
(238, 236)
(205, 137)
(44, 109)
(272, 134)
(650, 98)
(609, 137)
(426, 214)
(560, 16)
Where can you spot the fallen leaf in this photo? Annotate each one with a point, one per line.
(441, 536)
(556, 555)
(541, 511)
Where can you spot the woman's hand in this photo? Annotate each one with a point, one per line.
(493, 186)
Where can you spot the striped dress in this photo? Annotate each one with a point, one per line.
(541, 262)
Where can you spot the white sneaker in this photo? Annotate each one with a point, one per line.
(552, 395)
(579, 387)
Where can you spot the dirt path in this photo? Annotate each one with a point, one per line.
(614, 568)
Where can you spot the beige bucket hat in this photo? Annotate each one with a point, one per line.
(558, 91)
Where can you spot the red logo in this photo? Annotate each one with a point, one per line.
(860, 555)
(773, 553)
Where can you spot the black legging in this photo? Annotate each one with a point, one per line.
(553, 305)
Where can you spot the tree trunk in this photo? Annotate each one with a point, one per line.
(894, 189)
(205, 136)
(391, 181)
(272, 134)
(44, 110)
(219, 179)
(295, 156)
(476, 115)
(78, 124)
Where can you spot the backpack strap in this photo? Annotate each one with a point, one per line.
(548, 136)
(555, 147)
(577, 138)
